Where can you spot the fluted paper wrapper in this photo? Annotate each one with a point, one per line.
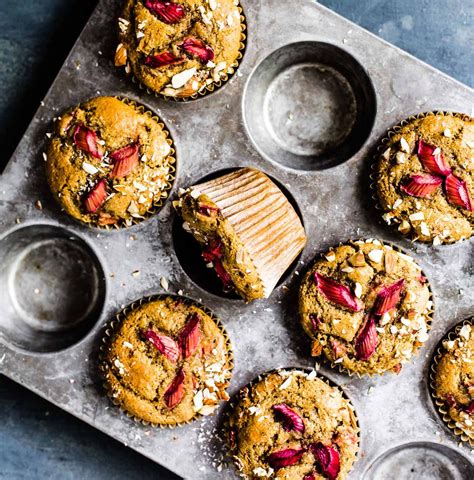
(263, 219)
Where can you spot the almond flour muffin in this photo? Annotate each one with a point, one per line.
(425, 178)
(249, 231)
(292, 425)
(454, 380)
(166, 362)
(366, 307)
(177, 48)
(109, 162)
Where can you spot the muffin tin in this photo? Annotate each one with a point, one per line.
(60, 282)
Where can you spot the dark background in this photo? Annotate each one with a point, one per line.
(38, 440)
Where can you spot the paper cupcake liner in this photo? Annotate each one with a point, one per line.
(382, 146)
(231, 405)
(263, 219)
(117, 320)
(212, 87)
(438, 402)
(428, 314)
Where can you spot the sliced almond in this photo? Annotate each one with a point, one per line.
(120, 55)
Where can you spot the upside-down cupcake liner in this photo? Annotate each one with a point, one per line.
(428, 314)
(205, 89)
(118, 319)
(439, 403)
(382, 146)
(231, 405)
(263, 219)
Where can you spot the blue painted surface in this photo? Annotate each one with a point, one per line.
(37, 440)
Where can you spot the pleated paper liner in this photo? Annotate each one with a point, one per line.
(428, 314)
(233, 402)
(224, 77)
(383, 146)
(115, 323)
(158, 203)
(438, 402)
(262, 218)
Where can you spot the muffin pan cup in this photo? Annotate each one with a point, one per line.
(429, 314)
(210, 135)
(235, 399)
(117, 320)
(439, 403)
(212, 87)
(382, 146)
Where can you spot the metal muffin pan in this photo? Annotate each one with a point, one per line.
(60, 282)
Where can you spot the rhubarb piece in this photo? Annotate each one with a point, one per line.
(450, 400)
(208, 210)
(432, 159)
(421, 185)
(284, 458)
(162, 59)
(338, 348)
(167, 12)
(165, 345)
(213, 253)
(457, 192)
(310, 476)
(388, 297)
(190, 336)
(87, 141)
(470, 408)
(290, 420)
(337, 293)
(197, 48)
(315, 321)
(96, 197)
(125, 160)
(367, 341)
(327, 459)
(174, 393)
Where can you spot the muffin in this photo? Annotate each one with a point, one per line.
(453, 380)
(425, 178)
(366, 307)
(109, 162)
(167, 361)
(293, 425)
(178, 49)
(249, 231)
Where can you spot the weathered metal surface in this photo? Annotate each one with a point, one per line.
(211, 134)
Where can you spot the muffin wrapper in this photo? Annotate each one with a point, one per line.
(248, 199)
(383, 146)
(236, 397)
(428, 314)
(159, 203)
(438, 402)
(206, 89)
(117, 320)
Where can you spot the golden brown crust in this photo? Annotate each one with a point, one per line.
(365, 267)
(116, 124)
(217, 23)
(454, 379)
(137, 374)
(431, 218)
(256, 432)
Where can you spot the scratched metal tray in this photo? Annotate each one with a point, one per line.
(60, 281)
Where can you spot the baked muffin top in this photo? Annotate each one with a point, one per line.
(454, 379)
(178, 48)
(108, 162)
(293, 425)
(425, 178)
(365, 306)
(167, 362)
